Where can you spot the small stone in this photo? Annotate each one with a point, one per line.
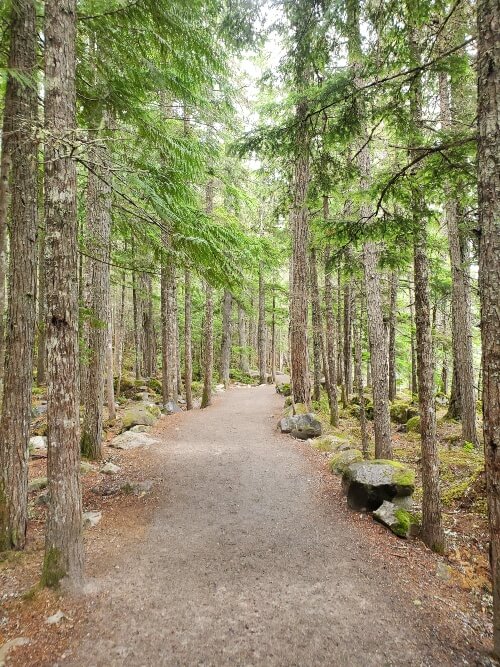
(86, 467)
(55, 618)
(91, 518)
(109, 469)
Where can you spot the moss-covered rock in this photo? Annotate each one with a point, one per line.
(139, 414)
(401, 411)
(413, 424)
(369, 483)
(397, 519)
(342, 460)
(331, 443)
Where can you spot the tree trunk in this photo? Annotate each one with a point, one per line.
(168, 331)
(42, 338)
(110, 389)
(378, 353)
(317, 326)
(413, 350)
(394, 282)
(376, 332)
(208, 347)
(299, 293)
(138, 335)
(432, 527)
(347, 355)
(273, 342)
(261, 328)
(148, 327)
(488, 21)
(242, 341)
(225, 352)
(120, 337)
(188, 355)
(358, 376)
(18, 378)
(460, 294)
(63, 541)
(331, 339)
(98, 280)
(208, 326)
(5, 167)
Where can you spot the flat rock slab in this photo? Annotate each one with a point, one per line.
(129, 440)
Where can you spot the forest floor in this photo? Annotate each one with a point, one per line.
(242, 553)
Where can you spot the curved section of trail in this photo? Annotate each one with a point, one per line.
(245, 563)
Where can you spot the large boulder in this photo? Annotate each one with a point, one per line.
(398, 519)
(402, 411)
(343, 459)
(137, 415)
(301, 427)
(367, 484)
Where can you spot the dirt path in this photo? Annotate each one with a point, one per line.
(245, 563)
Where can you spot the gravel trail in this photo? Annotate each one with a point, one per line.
(245, 563)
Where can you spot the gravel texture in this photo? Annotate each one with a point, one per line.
(247, 563)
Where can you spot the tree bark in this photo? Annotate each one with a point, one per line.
(42, 338)
(188, 355)
(432, 526)
(331, 338)
(98, 248)
(300, 233)
(208, 326)
(358, 376)
(5, 167)
(376, 332)
(413, 349)
(225, 352)
(63, 540)
(169, 333)
(18, 377)
(261, 328)
(148, 327)
(138, 334)
(488, 22)
(317, 327)
(242, 341)
(394, 282)
(110, 389)
(461, 322)
(347, 355)
(273, 342)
